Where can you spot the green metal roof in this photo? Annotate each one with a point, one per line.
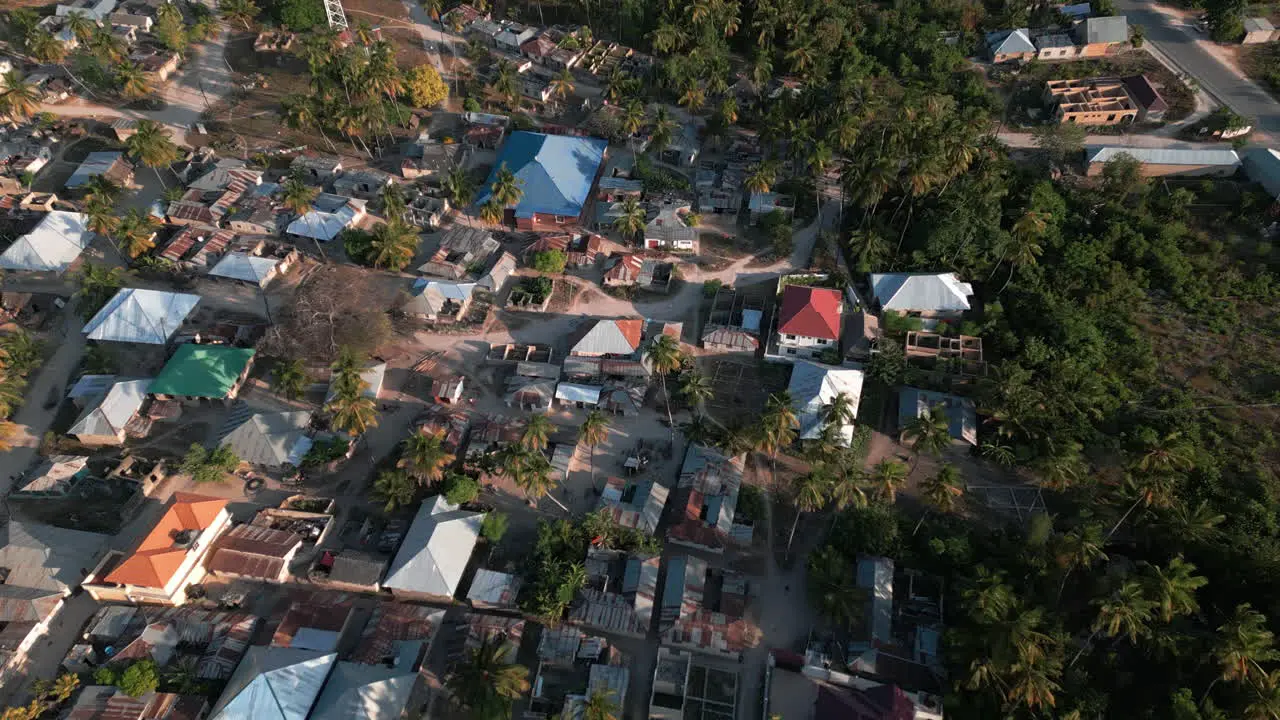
(208, 371)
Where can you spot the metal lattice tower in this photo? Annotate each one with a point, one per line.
(337, 17)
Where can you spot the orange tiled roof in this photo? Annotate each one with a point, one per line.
(631, 330)
(158, 557)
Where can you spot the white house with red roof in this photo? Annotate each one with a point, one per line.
(809, 321)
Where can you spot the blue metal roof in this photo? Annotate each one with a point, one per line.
(556, 172)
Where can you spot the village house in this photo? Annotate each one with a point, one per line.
(317, 169)
(110, 416)
(42, 565)
(703, 610)
(167, 560)
(365, 183)
(557, 172)
(1102, 35)
(962, 418)
(270, 441)
(329, 216)
(928, 296)
(1161, 162)
(809, 321)
(135, 315)
(733, 323)
(1258, 30)
(1010, 46)
(812, 388)
(198, 373)
(440, 301)
(111, 165)
(619, 595)
(53, 245)
(667, 230)
(1151, 106)
(254, 552)
(434, 553)
(580, 250)
(463, 251)
(706, 498)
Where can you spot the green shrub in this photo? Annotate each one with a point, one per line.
(710, 288)
(460, 489)
(494, 526)
(550, 261)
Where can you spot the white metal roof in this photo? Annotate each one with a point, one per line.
(604, 338)
(574, 392)
(274, 683)
(324, 225)
(1162, 156)
(52, 246)
(813, 386)
(141, 316)
(435, 550)
(89, 385)
(116, 408)
(920, 292)
(364, 692)
(246, 267)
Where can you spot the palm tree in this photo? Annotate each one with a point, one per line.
(352, 410)
(460, 186)
(886, 477)
(1169, 453)
(299, 113)
(241, 11)
(846, 490)
(504, 83)
(137, 232)
(19, 99)
(593, 431)
(530, 471)
(631, 220)
(632, 120)
(943, 490)
(297, 198)
(1127, 611)
(394, 489)
(1244, 642)
(760, 178)
(1266, 700)
(100, 187)
(694, 98)
(506, 189)
(393, 245)
(838, 412)
(537, 430)
(664, 129)
(425, 457)
(988, 595)
(486, 685)
(46, 48)
(491, 212)
(600, 705)
(1174, 587)
(151, 144)
(101, 216)
(664, 357)
(831, 587)
(96, 285)
(132, 80)
(81, 26)
(1080, 548)
(777, 428)
(929, 433)
(809, 495)
(291, 378)
(562, 85)
(107, 48)
(696, 389)
(800, 57)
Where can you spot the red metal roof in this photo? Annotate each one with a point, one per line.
(810, 312)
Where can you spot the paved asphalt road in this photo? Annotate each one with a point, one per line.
(1184, 47)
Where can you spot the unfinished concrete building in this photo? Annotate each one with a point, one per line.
(1090, 101)
(733, 324)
